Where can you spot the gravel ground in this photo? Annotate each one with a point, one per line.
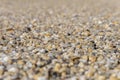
(59, 40)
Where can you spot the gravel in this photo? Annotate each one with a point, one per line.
(59, 40)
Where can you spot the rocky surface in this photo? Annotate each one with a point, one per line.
(59, 40)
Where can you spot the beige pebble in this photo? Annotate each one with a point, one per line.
(100, 58)
(81, 65)
(63, 74)
(86, 33)
(57, 67)
(1, 72)
(113, 77)
(20, 62)
(101, 78)
(36, 77)
(63, 69)
(81, 70)
(90, 73)
(13, 69)
(85, 57)
(73, 70)
(92, 58)
(71, 63)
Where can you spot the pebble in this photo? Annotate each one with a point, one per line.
(101, 78)
(57, 67)
(12, 69)
(1, 72)
(92, 58)
(85, 57)
(42, 78)
(113, 77)
(89, 74)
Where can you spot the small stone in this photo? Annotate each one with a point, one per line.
(10, 29)
(101, 78)
(63, 74)
(100, 58)
(73, 78)
(86, 33)
(13, 69)
(92, 58)
(81, 65)
(71, 64)
(20, 62)
(57, 67)
(113, 77)
(63, 69)
(89, 73)
(73, 70)
(6, 58)
(85, 57)
(29, 64)
(41, 78)
(36, 77)
(1, 72)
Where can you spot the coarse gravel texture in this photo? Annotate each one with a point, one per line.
(59, 40)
